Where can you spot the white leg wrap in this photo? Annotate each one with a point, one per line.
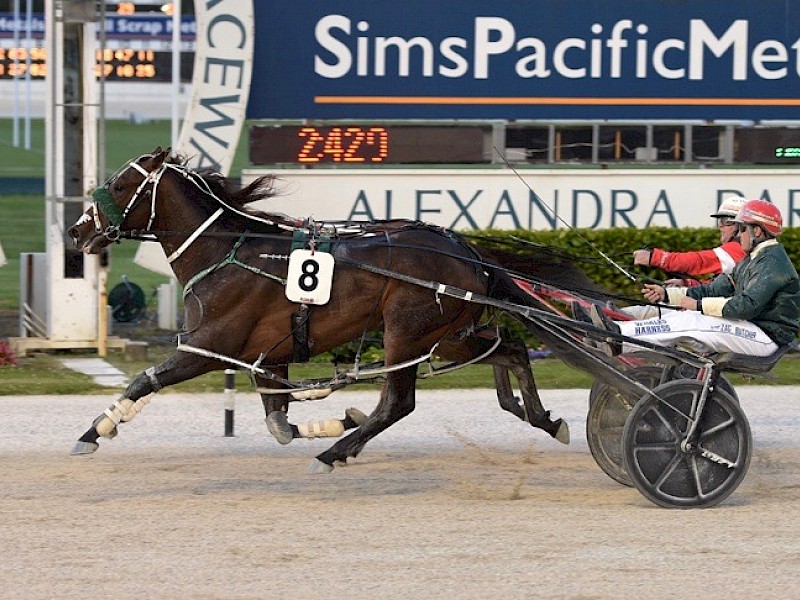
(105, 427)
(321, 429)
(135, 407)
(106, 424)
(117, 410)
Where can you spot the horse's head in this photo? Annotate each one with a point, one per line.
(119, 205)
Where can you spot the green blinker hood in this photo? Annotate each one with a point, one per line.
(107, 205)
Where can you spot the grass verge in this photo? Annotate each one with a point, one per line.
(43, 374)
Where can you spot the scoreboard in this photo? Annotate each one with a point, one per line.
(124, 64)
(358, 144)
(776, 145)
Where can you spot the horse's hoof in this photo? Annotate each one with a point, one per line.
(356, 416)
(318, 467)
(84, 448)
(562, 434)
(278, 425)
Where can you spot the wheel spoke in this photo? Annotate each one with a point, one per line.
(661, 417)
(616, 431)
(717, 428)
(668, 470)
(698, 485)
(656, 447)
(623, 401)
(714, 457)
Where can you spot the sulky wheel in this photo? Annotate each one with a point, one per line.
(608, 410)
(672, 473)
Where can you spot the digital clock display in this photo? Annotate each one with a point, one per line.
(13, 62)
(787, 152)
(367, 144)
(118, 65)
(768, 145)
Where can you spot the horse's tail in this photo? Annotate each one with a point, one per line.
(549, 267)
(559, 339)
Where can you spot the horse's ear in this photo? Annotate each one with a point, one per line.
(160, 155)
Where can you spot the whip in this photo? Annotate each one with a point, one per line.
(570, 227)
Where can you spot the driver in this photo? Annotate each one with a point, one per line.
(712, 261)
(754, 310)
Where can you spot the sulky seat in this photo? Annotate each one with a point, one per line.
(746, 363)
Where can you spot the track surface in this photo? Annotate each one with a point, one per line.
(458, 499)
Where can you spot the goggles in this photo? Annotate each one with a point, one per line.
(725, 221)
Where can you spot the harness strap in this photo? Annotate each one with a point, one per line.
(230, 259)
(368, 373)
(197, 232)
(151, 375)
(454, 366)
(254, 368)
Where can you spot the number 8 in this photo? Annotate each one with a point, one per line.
(308, 280)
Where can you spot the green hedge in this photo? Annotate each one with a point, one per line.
(619, 243)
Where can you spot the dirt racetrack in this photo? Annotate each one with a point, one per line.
(459, 499)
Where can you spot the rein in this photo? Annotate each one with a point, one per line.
(594, 247)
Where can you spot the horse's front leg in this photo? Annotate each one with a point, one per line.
(179, 367)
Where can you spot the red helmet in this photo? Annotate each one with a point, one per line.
(762, 213)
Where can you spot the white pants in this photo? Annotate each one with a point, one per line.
(645, 311)
(701, 332)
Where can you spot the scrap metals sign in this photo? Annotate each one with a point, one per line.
(530, 59)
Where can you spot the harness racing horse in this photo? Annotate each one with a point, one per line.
(232, 263)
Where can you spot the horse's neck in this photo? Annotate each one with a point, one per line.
(205, 244)
(187, 243)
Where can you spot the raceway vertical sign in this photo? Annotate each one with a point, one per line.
(220, 84)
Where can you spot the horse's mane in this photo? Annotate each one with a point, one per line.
(231, 192)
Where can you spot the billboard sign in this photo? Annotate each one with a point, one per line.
(534, 59)
(478, 199)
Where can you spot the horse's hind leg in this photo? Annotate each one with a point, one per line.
(397, 401)
(276, 409)
(510, 356)
(505, 393)
(514, 357)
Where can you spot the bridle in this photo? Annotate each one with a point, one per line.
(103, 201)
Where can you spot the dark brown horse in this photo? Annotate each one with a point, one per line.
(394, 276)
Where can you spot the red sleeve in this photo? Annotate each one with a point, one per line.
(734, 250)
(702, 262)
